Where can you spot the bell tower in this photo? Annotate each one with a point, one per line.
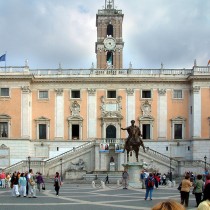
(109, 45)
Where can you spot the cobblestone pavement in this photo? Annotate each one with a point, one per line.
(85, 197)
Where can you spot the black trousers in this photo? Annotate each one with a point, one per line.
(185, 198)
(198, 198)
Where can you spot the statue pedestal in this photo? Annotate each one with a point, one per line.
(134, 170)
(112, 166)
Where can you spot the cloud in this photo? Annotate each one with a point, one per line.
(51, 32)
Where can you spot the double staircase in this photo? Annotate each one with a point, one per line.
(152, 160)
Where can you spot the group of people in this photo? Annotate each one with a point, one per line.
(26, 184)
(201, 190)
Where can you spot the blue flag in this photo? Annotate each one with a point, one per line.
(3, 58)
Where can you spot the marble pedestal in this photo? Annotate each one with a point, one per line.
(134, 169)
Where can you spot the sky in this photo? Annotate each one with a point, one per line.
(49, 32)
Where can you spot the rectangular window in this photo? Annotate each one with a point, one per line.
(75, 131)
(111, 94)
(75, 94)
(42, 131)
(177, 94)
(43, 94)
(146, 94)
(4, 129)
(177, 131)
(4, 92)
(146, 131)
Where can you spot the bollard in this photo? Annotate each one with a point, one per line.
(102, 184)
(174, 183)
(118, 182)
(93, 184)
(169, 183)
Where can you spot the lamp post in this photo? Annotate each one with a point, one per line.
(170, 173)
(205, 161)
(29, 163)
(61, 168)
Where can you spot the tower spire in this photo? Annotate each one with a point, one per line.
(109, 4)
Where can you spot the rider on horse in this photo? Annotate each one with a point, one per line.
(132, 130)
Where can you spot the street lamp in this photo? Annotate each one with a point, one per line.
(205, 162)
(170, 173)
(61, 168)
(29, 163)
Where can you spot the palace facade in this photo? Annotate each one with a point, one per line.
(44, 113)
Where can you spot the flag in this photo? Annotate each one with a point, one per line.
(208, 63)
(3, 58)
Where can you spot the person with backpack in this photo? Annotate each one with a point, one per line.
(149, 183)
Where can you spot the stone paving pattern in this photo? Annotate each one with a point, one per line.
(85, 197)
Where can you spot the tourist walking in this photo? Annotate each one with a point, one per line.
(57, 183)
(185, 190)
(2, 178)
(125, 177)
(205, 204)
(22, 183)
(31, 184)
(198, 189)
(14, 184)
(149, 183)
(39, 181)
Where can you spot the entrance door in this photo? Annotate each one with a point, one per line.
(111, 131)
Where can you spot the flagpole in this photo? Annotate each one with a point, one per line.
(5, 60)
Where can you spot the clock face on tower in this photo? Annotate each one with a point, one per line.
(109, 43)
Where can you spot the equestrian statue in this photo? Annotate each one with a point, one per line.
(134, 140)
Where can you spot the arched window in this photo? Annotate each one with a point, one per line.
(109, 58)
(110, 30)
(111, 131)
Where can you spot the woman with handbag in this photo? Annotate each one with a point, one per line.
(40, 181)
(198, 189)
(185, 190)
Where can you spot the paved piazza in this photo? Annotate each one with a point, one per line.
(84, 197)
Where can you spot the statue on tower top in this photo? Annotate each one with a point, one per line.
(109, 4)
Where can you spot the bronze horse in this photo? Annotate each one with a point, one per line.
(133, 143)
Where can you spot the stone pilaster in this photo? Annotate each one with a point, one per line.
(59, 114)
(130, 106)
(26, 112)
(196, 112)
(162, 114)
(92, 114)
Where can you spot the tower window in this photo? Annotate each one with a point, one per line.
(109, 58)
(110, 30)
(177, 94)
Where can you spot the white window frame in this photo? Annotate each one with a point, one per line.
(6, 119)
(176, 90)
(8, 91)
(43, 98)
(43, 120)
(178, 120)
